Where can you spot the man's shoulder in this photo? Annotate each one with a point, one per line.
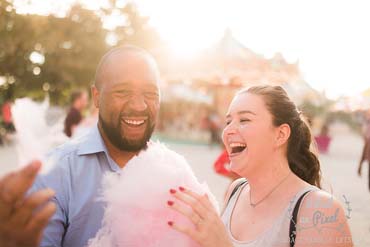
(58, 159)
(66, 149)
(67, 154)
(60, 163)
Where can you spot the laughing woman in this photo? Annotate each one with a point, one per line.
(278, 200)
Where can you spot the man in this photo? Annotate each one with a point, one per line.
(79, 101)
(126, 91)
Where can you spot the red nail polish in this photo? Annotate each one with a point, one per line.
(172, 191)
(170, 203)
(181, 188)
(170, 223)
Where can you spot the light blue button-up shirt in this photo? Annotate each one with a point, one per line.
(76, 178)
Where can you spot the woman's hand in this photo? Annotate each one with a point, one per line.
(209, 231)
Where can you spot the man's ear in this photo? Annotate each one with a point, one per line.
(95, 95)
(282, 134)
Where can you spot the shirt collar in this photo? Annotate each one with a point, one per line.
(92, 143)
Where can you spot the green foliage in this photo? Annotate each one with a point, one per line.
(69, 48)
(312, 110)
(349, 118)
(325, 112)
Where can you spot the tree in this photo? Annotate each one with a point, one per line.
(15, 47)
(135, 29)
(41, 54)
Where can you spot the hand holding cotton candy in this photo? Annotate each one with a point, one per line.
(136, 212)
(210, 230)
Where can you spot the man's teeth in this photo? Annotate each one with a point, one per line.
(134, 122)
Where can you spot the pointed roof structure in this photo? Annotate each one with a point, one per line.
(230, 48)
(229, 62)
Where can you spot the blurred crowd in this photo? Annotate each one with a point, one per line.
(183, 120)
(179, 120)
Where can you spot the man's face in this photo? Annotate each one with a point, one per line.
(128, 100)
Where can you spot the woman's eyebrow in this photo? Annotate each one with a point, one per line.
(242, 112)
(246, 112)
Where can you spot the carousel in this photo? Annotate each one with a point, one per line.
(193, 88)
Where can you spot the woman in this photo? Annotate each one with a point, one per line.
(269, 145)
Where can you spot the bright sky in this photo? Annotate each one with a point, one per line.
(330, 38)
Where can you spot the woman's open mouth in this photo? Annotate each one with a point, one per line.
(237, 148)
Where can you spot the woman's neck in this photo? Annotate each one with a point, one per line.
(263, 181)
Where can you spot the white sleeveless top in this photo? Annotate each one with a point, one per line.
(277, 235)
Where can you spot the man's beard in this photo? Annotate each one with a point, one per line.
(119, 140)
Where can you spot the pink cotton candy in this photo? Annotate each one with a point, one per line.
(137, 211)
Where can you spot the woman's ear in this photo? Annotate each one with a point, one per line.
(282, 134)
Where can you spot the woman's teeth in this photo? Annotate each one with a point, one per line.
(237, 147)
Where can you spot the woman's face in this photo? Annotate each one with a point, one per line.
(249, 135)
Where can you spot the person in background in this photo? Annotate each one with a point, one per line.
(79, 101)
(7, 127)
(89, 122)
(222, 166)
(212, 124)
(323, 139)
(366, 150)
(6, 113)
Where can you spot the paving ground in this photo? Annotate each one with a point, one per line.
(339, 169)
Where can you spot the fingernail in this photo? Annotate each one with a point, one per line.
(170, 223)
(172, 191)
(181, 188)
(170, 203)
